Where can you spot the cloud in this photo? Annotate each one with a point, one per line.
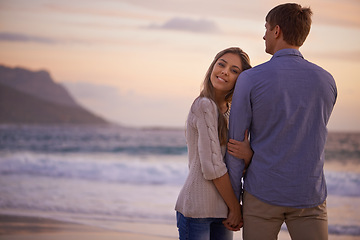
(186, 24)
(18, 37)
(25, 38)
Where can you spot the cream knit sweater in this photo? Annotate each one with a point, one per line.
(199, 197)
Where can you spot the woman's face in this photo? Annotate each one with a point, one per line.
(225, 72)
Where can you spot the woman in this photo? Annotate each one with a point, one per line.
(207, 197)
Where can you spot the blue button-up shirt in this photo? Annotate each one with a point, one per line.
(286, 104)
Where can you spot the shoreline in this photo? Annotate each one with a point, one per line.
(16, 227)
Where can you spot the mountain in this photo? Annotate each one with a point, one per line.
(34, 98)
(38, 83)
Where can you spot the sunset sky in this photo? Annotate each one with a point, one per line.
(141, 62)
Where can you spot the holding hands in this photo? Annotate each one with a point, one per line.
(234, 220)
(241, 150)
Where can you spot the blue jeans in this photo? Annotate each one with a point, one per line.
(202, 228)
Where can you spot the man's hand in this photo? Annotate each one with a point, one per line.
(234, 221)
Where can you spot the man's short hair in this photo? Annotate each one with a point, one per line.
(293, 20)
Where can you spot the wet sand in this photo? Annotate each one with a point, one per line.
(36, 228)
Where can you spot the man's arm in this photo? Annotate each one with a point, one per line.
(240, 120)
(234, 219)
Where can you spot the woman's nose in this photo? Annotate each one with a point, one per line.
(225, 71)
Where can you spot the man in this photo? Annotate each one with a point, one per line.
(286, 104)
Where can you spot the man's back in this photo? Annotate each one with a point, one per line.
(290, 104)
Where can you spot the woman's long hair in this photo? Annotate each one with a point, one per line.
(207, 89)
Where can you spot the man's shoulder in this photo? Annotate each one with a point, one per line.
(316, 67)
(257, 70)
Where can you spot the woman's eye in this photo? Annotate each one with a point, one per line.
(221, 64)
(235, 71)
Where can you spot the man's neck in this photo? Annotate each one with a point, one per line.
(285, 45)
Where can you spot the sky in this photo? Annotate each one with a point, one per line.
(141, 62)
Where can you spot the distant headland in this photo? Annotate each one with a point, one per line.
(32, 97)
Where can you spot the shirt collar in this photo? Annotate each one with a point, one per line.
(288, 52)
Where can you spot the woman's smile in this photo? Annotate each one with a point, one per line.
(221, 79)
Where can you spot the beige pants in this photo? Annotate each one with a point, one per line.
(263, 221)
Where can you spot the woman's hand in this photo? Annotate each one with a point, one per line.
(241, 149)
(234, 220)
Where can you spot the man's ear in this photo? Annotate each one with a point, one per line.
(277, 31)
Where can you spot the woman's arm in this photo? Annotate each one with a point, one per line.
(234, 220)
(212, 162)
(241, 149)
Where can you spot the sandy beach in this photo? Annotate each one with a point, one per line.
(35, 228)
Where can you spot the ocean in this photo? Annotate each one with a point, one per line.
(108, 175)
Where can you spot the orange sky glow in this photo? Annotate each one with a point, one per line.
(141, 62)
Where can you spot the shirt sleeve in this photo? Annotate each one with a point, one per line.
(239, 121)
(211, 158)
